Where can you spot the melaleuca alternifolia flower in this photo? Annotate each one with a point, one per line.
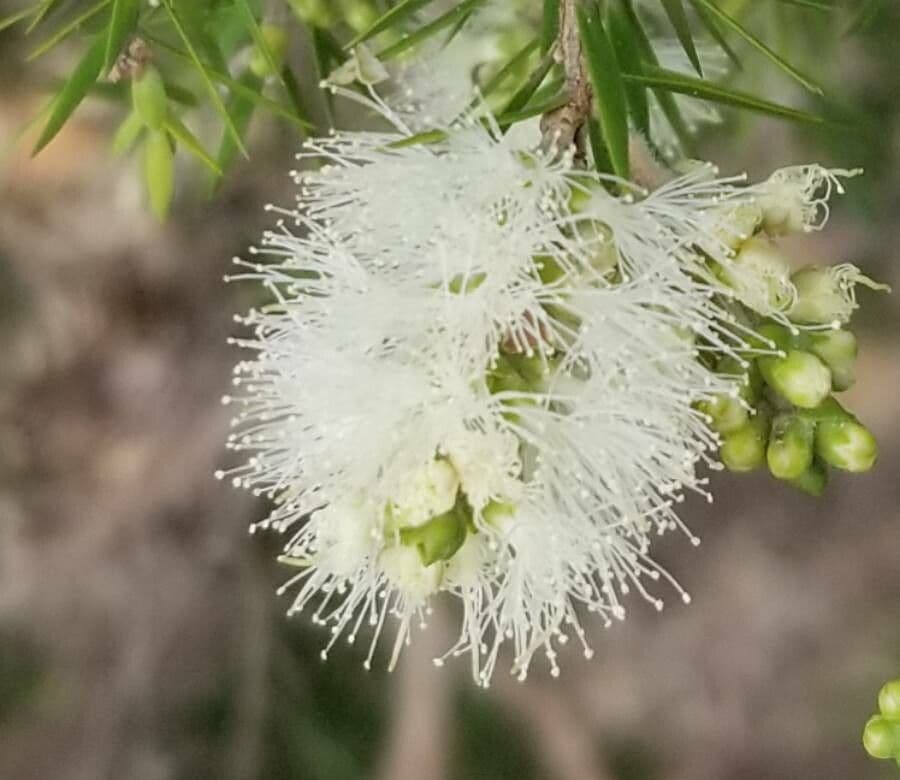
(487, 374)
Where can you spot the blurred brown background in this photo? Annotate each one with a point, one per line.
(140, 637)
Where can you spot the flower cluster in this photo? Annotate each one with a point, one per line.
(488, 373)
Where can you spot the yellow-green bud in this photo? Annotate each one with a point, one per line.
(838, 348)
(790, 452)
(846, 444)
(813, 480)
(745, 449)
(889, 700)
(148, 93)
(881, 737)
(736, 225)
(800, 377)
(727, 413)
(276, 40)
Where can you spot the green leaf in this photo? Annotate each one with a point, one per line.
(629, 56)
(127, 134)
(205, 74)
(70, 96)
(777, 59)
(39, 13)
(864, 16)
(816, 5)
(426, 31)
(698, 88)
(159, 172)
(295, 95)
(677, 16)
(66, 30)
(16, 17)
(241, 110)
(712, 27)
(399, 13)
(259, 39)
(235, 86)
(519, 59)
(666, 101)
(533, 109)
(601, 156)
(609, 89)
(189, 141)
(121, 23)
(522, 95)
(549, 25)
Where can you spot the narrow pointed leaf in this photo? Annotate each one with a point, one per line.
(70, 96)
(205, 74)
(39, 14)
(241, 110)
(510, 67)
(127, 134)
(677, 16)
(121, 24)
(426, 31)
(629, 56)
(816, 5)
(609, 89)
(399, 13)
(712, 27)
(259, 39)
(524, 93)
(292, 89)
(66, 30)
(732, 23)
(549, 25)
(189, 141)
(716, 93)
(16, 17)
(864, 16)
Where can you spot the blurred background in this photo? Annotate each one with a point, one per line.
(140, 635)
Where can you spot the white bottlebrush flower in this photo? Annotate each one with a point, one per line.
(479, 377)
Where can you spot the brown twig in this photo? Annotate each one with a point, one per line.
(560, 127)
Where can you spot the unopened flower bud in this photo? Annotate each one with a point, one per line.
(276, 40)
(800, 377)
(813, 480)
(846, 444)
(359, 14)
(315, 12)
(881, 737)
(148, 93)
(736, 225)
(745, 449)
(838, 348)
(728, 414)
(790, 451)
(760, 276)
(439, 538)
(826, 295)
(430, 492)
(889, 700)
(159, 172)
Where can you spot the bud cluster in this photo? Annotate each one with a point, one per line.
(881, 736)
(782, 414)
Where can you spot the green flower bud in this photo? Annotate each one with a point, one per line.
(440, 537)
(737, 224)
(826, 295)
(148, 93)
(889, 700)
(813, 480)
(838, 348)
(750, 383)
(800, 377)
(881, 737)
(790, 452)
(604, 254)
(159, 171)
(745, 449)
(313, 12)
(276, 40)
(760, 276)
(359, 14)
(728, 414)
(846, 444)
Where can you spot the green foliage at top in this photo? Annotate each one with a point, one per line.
(234, 59)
